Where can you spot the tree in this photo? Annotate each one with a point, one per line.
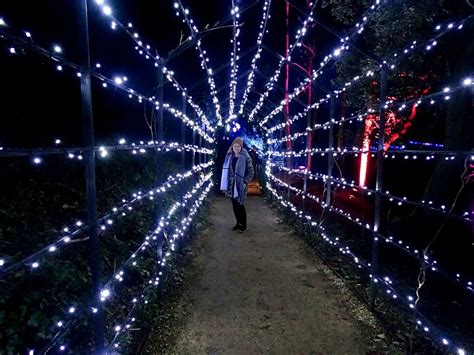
(391, 29)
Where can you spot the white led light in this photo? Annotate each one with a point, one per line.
(104, 294)
(107, 10)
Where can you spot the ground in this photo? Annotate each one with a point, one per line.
(261, 292)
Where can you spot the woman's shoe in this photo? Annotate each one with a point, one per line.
(236, 227)
(242, 229)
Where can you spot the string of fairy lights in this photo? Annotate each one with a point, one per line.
(103, 151)
(399, 201)
(203, 55)
(124, 327)
(274, 78)
(164, 224)
(36, 155)
(333, 55)
(118, 82)
(72, 231)
(107, 291)
(251, 76)
(389, 153)
(444, 95)
(234, 58)
(408, 300)
(441, 30)
(454, 277)
(146, 51)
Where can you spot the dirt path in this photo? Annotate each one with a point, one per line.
(261, 293)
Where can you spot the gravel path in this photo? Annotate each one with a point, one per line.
(263, 292)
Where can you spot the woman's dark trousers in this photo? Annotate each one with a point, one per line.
(239, 212)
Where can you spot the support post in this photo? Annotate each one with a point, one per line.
(159, 163)
(332, 106)
(193, 156)
(200, 147)
(183, 134)
(378, 183)
(308, 158)
(89, 160)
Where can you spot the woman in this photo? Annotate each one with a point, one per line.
(236, 174)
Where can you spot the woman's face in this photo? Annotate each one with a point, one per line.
(236, 148)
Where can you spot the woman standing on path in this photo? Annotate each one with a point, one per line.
(236, 174)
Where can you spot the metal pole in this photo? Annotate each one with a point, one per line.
(183, 133)
(159, 163)
(159, 129)
(308, 157)
(378, 184)
(181, 242)
(89, 160)
(205, 145)
(330, 150)
(193, 157)
(200, 146)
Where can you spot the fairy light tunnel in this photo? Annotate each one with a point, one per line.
(383, 124)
